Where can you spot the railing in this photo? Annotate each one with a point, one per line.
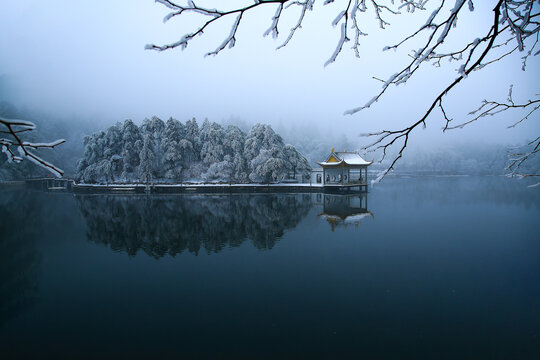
(337, 182)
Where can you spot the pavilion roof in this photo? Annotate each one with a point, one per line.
(346, 158)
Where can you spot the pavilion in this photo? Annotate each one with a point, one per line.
(344, 170)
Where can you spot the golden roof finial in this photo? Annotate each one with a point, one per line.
(332, 149)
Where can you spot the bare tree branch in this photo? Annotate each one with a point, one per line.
(472, 62)
(518, 158)
(491, 108)
(513, 20)
(216, 15)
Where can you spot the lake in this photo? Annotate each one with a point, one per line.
(436, 267)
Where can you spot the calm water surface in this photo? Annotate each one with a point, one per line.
(419, 268)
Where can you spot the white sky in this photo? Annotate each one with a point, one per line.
(87, 58)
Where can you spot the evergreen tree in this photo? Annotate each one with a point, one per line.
(264, 154)
(130, 152)
(193, 136)
(174, 152)
(234, 148)
(212, 136)
(155, 128)
(113, 151)
(172, 161)
(147, 159)
(297, 165)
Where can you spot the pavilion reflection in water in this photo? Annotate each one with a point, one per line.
(345, 210)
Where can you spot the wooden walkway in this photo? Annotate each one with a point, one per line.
(50, 184)
(215, 188)
(67, 185)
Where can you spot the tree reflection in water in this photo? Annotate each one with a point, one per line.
(20, 262)
(161, 225)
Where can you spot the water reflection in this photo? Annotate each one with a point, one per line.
(161, 225)
(413, 271)
(20, 262)
(344, 210)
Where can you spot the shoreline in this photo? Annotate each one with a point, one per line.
(186, 188)
(67, 185)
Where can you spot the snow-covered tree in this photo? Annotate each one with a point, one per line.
(273, 169)
(222, 170)
(147, 157)
(114, 150)
(105, 170)
(130, 152)
(114, 140)
(94, 147)
(166, 152)
(234, 140)
(296, 163)
(173, 160)
(212, 136)
(256, 166)
(239, 168)
(155, 128)
(234, 148)
(186, 148)
(265, 156)
(193, 136)
(514, 28)
(174, 132)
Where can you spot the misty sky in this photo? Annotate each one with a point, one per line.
(87, 59)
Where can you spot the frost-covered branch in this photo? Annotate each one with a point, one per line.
(348, 16)
(517, 160)
(16, 149)
(214, 15)
(491, 108)
(423, 55)
(306, 5)
(473, 55)
(388, 138)
(515, 27)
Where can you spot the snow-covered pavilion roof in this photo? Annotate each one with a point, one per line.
(346, 158)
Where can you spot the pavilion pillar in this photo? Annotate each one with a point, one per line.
(365, 174)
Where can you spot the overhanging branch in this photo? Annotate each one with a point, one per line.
(13, 128)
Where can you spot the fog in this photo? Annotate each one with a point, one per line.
(86, 60)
